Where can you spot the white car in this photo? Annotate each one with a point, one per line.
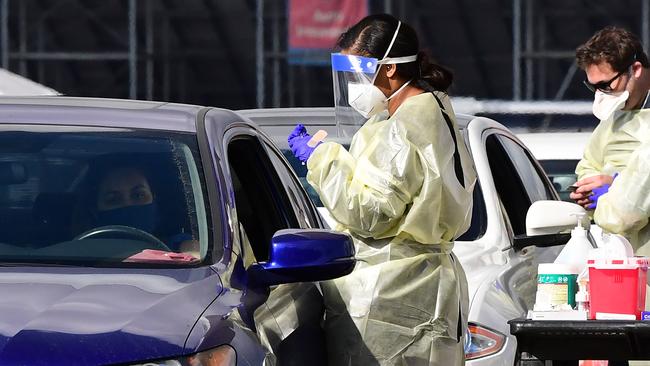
(558, 153)
(500, 263)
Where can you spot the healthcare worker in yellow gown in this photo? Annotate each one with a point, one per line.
(625, 208)
(614, 173)
(403, 190)
(618, 73)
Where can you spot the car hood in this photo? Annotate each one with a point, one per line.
(87, 316)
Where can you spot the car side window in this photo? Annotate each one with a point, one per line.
(508, 181)
(302, 206)
(301, 171)
(261, 200)
(530, 175)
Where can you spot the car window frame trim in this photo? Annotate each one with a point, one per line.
(210, 173)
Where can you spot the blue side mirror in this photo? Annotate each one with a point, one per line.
(298, 255)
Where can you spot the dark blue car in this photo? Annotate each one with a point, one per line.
(153, 233)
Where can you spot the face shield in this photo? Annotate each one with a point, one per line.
(352, 75)
(356, 98)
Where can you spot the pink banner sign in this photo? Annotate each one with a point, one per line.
(317, 24)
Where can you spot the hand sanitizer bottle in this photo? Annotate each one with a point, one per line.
(576, 251)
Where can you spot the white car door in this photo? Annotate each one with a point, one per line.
(514, 182)
(519, 181)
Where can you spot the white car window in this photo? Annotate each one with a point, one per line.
(562, 174)
(518, 182)
(530, 176)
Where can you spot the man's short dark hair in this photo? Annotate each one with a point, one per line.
(616, 46)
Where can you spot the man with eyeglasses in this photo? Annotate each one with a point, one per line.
(614, 173)
(617, 73)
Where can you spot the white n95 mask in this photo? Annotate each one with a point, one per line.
(605, 104)
(366, 99)
(369, 100)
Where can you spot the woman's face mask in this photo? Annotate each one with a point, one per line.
(125, 198)
(366, 99)
(143, 217)
(369, 100)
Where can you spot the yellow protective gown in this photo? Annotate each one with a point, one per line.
(613, 142)
(625, 208)
(609, 151)
(401, 197)
(618, 145)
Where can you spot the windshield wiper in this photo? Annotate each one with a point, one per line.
(36, 264)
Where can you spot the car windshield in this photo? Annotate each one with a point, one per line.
(100, 196)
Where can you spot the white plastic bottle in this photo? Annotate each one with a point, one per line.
(582, 296)
(576, 251)
(613, 246)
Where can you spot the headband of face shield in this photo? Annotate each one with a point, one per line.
(356, 98)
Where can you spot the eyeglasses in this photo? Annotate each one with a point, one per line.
(603, 86)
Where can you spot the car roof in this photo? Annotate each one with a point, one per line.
(59, 110)
(309, 116)
(556, 145)
(278, 122)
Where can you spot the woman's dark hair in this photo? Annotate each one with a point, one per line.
(371, 37)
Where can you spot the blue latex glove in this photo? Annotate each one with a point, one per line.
(298, 139)
(298, 131)
(597, 193)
